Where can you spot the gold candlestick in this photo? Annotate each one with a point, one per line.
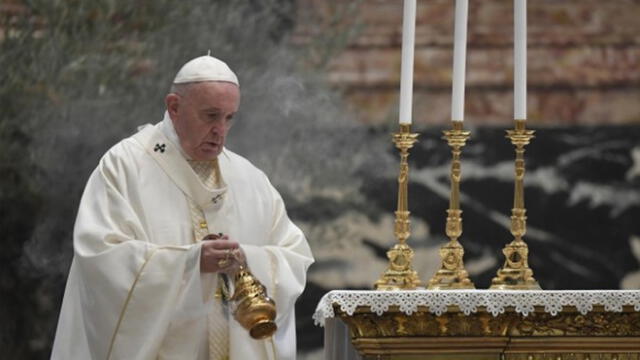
(515, 274)
(452, 274)
(400, 274)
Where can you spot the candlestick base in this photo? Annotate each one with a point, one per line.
(400, 274)
(452, 274)
(516, 274)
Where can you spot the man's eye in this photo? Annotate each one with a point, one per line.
(213, 116)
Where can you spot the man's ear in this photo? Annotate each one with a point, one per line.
(172, 101)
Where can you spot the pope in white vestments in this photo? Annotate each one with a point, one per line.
(158, 220)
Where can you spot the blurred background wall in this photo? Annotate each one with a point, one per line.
(583, 60)
(320, 84)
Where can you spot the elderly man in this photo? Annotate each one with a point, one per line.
(159, 218)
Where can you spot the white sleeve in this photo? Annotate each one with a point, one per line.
(281, 265)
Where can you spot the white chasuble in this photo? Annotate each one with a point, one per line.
(135, 290)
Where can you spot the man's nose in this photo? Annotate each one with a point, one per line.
(217, 128)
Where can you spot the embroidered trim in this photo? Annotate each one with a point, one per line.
(273, 347)
(274, 274)
(274, 283)
(126, 303)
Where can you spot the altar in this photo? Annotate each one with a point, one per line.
(514, 319)
(481, 324)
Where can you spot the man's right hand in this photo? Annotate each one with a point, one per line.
(217, 253)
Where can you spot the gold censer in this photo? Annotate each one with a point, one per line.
(254, 310)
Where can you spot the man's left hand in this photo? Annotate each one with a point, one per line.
(234, 259)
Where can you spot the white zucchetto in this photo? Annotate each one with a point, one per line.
(205, 68)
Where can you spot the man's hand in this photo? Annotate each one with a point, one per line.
(219, 254)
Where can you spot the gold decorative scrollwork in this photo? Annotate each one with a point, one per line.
(568, 335)
(454, 323)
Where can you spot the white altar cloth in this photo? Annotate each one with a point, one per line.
(495, 301)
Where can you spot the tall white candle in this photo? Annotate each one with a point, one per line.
(459, 60)
(406, 72)
(520, 59)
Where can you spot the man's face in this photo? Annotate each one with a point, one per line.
(202, 114)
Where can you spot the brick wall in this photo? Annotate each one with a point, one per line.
(584, 59)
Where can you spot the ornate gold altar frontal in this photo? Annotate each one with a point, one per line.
(454, 335)
(565, 325)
